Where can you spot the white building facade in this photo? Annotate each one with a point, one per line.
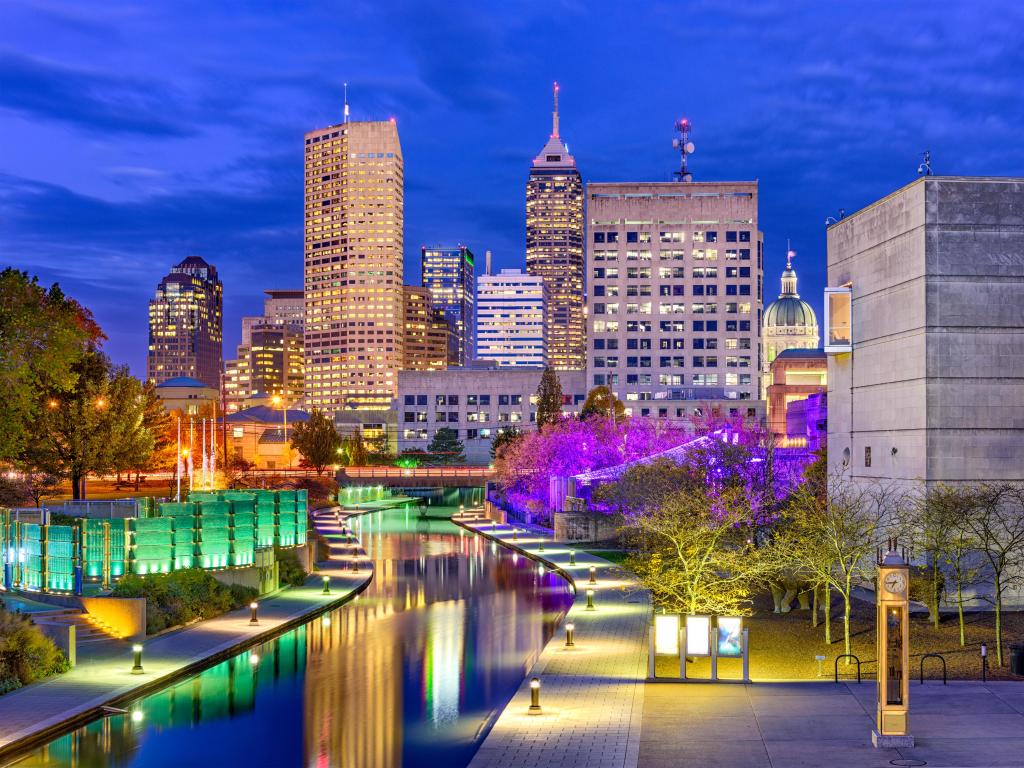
(510, 310)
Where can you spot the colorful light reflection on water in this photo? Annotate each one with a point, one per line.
(411, 674)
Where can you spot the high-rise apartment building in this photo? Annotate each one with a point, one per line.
(269, 361)
(450, 276)
(426, 335)
(353, 265)
(554, 247)
(674, 302)
(510, 318)
(186, 324)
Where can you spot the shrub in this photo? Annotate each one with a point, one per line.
(26, 654)
(182, 596)
(289, 568)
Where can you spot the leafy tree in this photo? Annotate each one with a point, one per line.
(162, 425)
(502, 440)
(643, 487)
(43, 335)
(997, 526)
(131, 440)
(601, 402)
(446, 447)
(354, 451)
(549, 399)
(317, 440)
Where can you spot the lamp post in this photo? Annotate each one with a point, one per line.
(593, 574)
(535, 696)
(590, 600)
(137, 666)
(253, 619)
(327, 585)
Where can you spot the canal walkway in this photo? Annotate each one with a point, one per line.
(592, 694)
(103, 678)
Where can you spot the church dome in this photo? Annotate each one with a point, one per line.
(789, 310)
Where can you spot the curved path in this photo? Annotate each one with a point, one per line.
(40, 711)
(591, 695)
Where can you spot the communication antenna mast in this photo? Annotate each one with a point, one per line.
(346, 102)
(925, 168)
(685, 146)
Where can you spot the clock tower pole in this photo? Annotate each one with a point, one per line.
(892, 725)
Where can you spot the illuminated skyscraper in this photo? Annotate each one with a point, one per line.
(554, 247)
(426, 335)
(186, 324)
(353, 265)
(449, 275)
(510, 319)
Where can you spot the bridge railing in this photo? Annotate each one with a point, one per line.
(415, 472)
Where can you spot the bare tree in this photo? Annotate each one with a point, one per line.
(997, 525)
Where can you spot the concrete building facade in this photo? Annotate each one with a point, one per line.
(450, 276)
(353, 229)
(186, 324)
(674, 300)
(510, 310)
(554, 247)
(478, 403)
(925, 334)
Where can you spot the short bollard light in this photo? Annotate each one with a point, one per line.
(570, 630)
(572, 557)
(593, 574)
(253, 618)
(590, 599)
(327, 585)
(535, 696)
(541, 546)
(515, 534)
(137, 666)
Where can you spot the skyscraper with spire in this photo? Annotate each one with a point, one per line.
(554, 247)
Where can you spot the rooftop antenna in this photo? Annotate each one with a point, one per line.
(554, 115)
(685, 146)
(346, 102)
(925, 168)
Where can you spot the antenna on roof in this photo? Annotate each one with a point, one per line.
(925, 168)
(346, 102)
(685, 146)
(554, 115)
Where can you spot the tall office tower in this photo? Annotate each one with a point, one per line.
(269, 361)
(186, 324)
(450, 276)
(510, 318)
(353, 265)
(426, 335)
(674, 302)
(554, 247)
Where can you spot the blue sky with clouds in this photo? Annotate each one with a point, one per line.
(133, 134)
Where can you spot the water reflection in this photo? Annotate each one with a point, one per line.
(410, 674)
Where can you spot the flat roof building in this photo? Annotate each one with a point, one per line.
(450, 276)
(510, 319)
(426, 335)
(674, 300)
(924, 326)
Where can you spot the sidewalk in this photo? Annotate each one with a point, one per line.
(104, 678)
(591, 695)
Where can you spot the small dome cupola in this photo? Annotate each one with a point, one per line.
(789, 277)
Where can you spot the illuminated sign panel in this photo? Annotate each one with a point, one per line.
(730, 636)
(698, 635)
(666, 634)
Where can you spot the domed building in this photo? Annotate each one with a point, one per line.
(789, 323)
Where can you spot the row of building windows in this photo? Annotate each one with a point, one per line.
(672, 361)
(703, 236)
(670, 380)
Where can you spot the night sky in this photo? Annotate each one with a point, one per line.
(134, 134)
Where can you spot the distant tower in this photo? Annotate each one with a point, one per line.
(789, 323)
(186, 324)
(554, 246)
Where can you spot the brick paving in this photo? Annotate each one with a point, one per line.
(591, 695)
(104, 677)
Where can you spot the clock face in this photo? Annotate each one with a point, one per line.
(895, 582)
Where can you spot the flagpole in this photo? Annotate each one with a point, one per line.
(177, 462)
(213, 448)
(202, 468)
(191, 460)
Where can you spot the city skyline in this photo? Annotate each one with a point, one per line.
(828, 108)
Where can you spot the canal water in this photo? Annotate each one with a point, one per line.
(410, 674)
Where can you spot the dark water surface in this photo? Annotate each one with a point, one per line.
(410, 674)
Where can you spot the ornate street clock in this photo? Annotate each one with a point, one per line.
(892, 725)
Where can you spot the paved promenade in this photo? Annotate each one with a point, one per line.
(800, 725)
(104, 678)
(591, 695)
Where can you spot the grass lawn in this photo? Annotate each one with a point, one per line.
(617, 556)
(783, 646)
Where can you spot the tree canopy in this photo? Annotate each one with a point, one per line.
(446, 447)
(317, 441)
(601, 402)
(549, 399)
